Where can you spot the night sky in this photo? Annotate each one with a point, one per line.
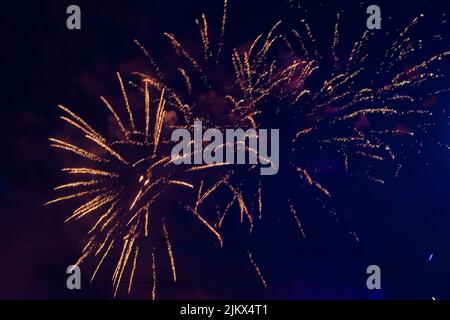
(399, 224)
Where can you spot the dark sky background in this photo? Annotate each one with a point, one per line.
(400, 224)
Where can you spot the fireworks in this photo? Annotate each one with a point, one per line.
(369, 107)
(341, 106)
(120, 183)
(223, 99)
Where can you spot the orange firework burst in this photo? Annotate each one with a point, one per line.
(119, 183)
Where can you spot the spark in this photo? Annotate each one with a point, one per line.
(257, 269)
(154, 274)
(222, 29)
(77, 184)
(136, 253)
(101, 260)
(125, 97)
(169, 250)
(116, 117)
(207, 166)
(181, 183)
(209, 226)
(297, 220)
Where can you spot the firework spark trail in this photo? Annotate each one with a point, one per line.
(126, 250)
(312, 182)
(136, 253)
(82, 125)
(159, 122)
(150, 59)
(206, 166)
(108, 149)
(154, 274)
(125, 98)
(207, 224)
(242, 205)
(101, 260)
(146, 222)
(170, 251)
(116, 117)
(79, 151)
(297, 220)
(75, 195)
(257, 269)
(336, 41)
(186, 79)
(91, 206)
(77, 184)
(181, 183)
(147, 112)
(222, 29)
(260, 200)
(183, 52)
(205, 38)
(225, 211)
(104, 216)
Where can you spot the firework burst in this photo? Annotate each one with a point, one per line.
(327, 104)
(120, 182)
(223, 99)
(369, 110)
